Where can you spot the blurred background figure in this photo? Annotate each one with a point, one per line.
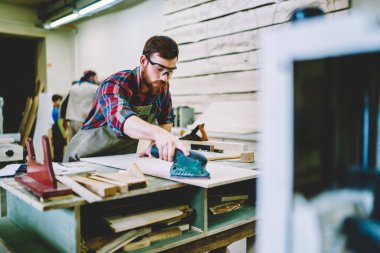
(78, 101)
(58, 130)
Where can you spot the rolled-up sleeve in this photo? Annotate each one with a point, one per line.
(115, 106)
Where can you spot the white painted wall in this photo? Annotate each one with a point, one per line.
(115, 41)
(60, 61)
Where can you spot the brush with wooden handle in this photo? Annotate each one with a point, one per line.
(245, 157)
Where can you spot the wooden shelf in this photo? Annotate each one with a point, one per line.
(224, 221)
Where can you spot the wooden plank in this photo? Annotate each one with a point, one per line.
(124, 239)
(210, 10)
(143, 243)
(171, 6)
(235, 82)
(219, 64)
(121, 187)
(220, 174)
(30, 120)
(88, 195)
(249, 20)
(234, 43)
(100, 188)
(201, 102)
(164, 234)
(118, 224)
(123, 178)
(25, 114)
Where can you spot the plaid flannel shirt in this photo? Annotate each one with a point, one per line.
(116, 94)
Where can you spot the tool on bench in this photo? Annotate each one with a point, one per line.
(192, 136)
(40, 178)
(245, 157)
(192, 166)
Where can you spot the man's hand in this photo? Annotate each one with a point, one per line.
(165, 141)
(166, 144)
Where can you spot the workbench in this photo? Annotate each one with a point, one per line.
(62, 225)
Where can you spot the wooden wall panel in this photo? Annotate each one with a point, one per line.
(219, 43)
(237, 82)
(234, 23)
(235, 43)
(200, 102)
(249, 20)
(211, 10)
(220, 64)
(171, 6)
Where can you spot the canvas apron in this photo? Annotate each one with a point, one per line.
(102, 141)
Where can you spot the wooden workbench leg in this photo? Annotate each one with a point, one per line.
(251, 244)
(3, 202)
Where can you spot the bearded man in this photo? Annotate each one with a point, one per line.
(132, 105)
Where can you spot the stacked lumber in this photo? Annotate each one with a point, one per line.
(96, 186)
(155, 236)
(156, 222)
(114, 242)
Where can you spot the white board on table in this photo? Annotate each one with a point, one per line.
(219, 174)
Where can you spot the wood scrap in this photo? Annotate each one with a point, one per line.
(137, 177)
(228, 197)
(86, 194)
(143, 243)
(183, 227)
(186, 212)
(100, 188)
(114, 242)
(164, 234)
(55, 198)
(121, 223)
(224, 208)
(135, 171)
(121, 186)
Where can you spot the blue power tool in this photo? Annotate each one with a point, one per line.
(192, 166)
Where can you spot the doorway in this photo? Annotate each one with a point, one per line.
(18, 74)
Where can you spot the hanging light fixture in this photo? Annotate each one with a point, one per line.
(77, 14)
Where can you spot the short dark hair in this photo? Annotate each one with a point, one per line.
(56, 97)
(165, 46)
(87, 75)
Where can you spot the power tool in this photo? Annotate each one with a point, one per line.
(192, 166)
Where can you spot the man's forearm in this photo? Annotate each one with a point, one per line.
(167, 127)
(137, 128)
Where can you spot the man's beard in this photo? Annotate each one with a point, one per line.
(153, 86)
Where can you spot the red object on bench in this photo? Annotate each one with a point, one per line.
(40, 178)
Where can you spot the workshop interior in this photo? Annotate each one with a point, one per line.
(260, 132)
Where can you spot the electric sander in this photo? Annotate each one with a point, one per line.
(192, 166)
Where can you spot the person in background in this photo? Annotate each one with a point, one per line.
(58, 131)
(77, 103)
(132, 105)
